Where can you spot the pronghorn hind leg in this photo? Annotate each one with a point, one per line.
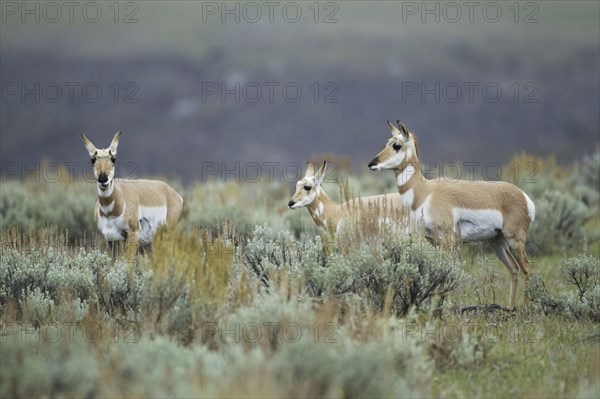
(145, 249)
(520, 255)
(503, 252)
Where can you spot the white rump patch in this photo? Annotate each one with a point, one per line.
(113, 227)
(150, 218)
(477, 224)
(530, 208)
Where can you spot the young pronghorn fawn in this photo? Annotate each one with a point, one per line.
(496, 212)
(326, 213)
(129, 210)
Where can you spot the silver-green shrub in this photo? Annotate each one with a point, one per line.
(248, 204)
(33, 367)
(565, 198)
(583, 272)
(65, 206)
(586, 179)
(559, 223)
(385, 369)
(157, 367)
(269, 252)
(263, 323)
(53, 273)
(405, 271)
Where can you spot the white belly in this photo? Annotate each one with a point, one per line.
(113, 228)
(477, 224)
(150, 218)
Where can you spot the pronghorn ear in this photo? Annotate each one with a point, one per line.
(310, 170)
(92, 150)
(115, 143)
(403, 130)
(320, 176)
(393, 129)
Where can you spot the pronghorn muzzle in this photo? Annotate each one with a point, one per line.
(373, 164)
(291, 204)
(103, 179)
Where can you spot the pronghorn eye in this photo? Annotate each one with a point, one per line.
(397, 146)
(113, 159)
(307, 188)
(93, 160)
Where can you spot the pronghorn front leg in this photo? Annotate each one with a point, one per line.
(113, 247)
(131, 246)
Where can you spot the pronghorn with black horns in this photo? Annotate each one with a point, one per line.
(129, 210)
(326, 213)
(497, 212)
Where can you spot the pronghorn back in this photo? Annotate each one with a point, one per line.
(152, 193)
(477, 195)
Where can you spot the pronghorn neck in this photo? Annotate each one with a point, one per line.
(409, 175)
(324, 211)
(110, 200)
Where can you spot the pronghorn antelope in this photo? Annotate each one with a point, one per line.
(497, 212)
(129, 210)
(326, 213)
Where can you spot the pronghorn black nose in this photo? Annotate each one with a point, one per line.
(373, 163)
(291, 204)
(103, 178)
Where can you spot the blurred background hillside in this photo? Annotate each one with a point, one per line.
(544, 57)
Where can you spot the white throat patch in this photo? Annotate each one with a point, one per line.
(319, 210)
(108, 192)
(406, 174)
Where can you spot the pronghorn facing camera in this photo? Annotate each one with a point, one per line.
(326, 213)
(497, 212)
(129, 210)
